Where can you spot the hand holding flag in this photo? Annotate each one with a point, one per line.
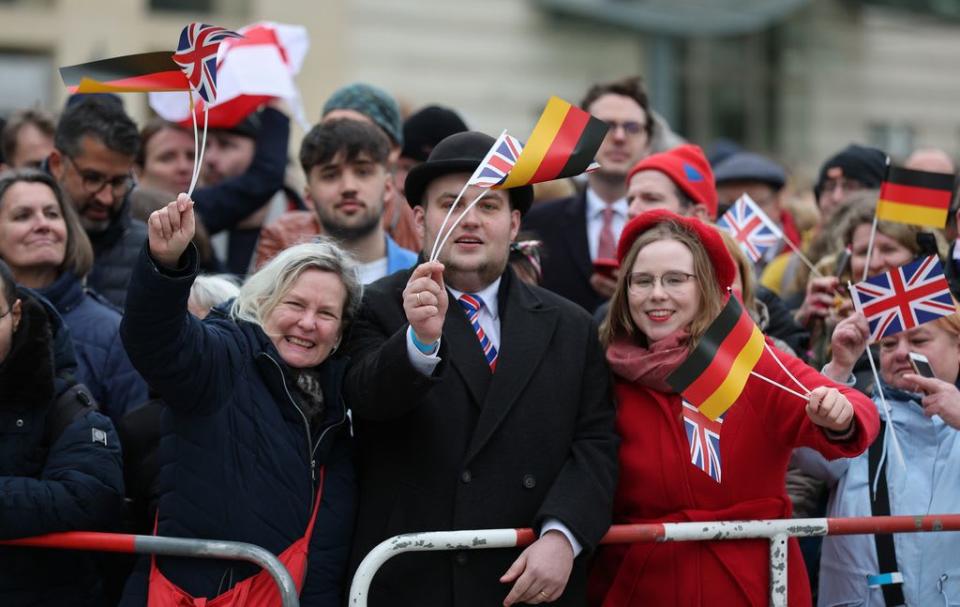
(829, 409)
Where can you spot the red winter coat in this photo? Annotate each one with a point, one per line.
(658, 483)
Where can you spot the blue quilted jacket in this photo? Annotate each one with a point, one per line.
(102, 363)
(238, 460)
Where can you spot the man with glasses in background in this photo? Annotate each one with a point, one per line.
(95, 145)
(579, 230)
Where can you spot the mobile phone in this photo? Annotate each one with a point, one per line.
(921, 364)
(605, 267)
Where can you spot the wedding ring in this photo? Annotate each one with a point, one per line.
(544, 594)
(419, 303)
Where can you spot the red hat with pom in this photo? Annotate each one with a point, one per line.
(708, 235)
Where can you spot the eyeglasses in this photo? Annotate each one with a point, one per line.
(673, 282)
(629, 127)
(844, 183)
(94, 181)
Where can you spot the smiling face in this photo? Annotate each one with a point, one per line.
(306, 324)
(941, 348)
(668, 303)
(33, 232)
(477, 251)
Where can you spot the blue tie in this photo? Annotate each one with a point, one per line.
(471, 304)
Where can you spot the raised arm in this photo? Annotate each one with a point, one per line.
(188, 362)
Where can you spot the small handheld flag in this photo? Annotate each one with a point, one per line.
(904, 298)
(915, 197)
(498, 162)
(138, 73)
(197, 56)
(562, 144)
(703, 437)
(753, 230)
(715, 373)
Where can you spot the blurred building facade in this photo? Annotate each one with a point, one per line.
(797, 79)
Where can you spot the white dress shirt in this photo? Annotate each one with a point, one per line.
(595, 207)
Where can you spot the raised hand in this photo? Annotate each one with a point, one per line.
(170, 230)
(425, 301)
(848, 342)
(830, 409)
(940, 398)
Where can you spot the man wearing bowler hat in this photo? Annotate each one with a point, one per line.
(479, 402)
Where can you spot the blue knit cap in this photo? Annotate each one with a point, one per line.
(371, 101)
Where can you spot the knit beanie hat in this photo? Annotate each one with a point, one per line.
(687, 167)
(428, 127)
(708, 235)
(866, 165)
(371, 101)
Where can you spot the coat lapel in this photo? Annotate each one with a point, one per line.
(526, 329)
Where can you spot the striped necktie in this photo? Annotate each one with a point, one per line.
(471, 304)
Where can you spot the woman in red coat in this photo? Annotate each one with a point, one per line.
(675, 277)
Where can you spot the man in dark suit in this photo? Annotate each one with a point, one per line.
(479, 402)
(578, 230)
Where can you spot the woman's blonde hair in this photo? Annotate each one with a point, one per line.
(263, 290)
(619, 322)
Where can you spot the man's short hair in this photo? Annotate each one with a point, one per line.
(41, 120)
(98, 118)
(627, 87)
(353, 137)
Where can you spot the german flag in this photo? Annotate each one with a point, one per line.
(140, 73)
(915, 197)
(714, 375)
(562, 144)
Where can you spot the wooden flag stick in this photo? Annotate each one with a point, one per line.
(460, 217)
(779, 385)
(803, 257)
(873, 232)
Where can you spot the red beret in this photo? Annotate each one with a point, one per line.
(687, 167)
(708, 235)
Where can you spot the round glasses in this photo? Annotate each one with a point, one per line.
(94, 181)
(673, 282)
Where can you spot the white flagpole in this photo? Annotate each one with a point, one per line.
(433, 252)
(779, 385)
(803, 257)
(196, 141)
(876, 378)
(459, 218)
(203, 145)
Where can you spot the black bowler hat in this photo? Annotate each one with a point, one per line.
(458, 153)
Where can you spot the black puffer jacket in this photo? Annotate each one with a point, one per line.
(115, 252)
(50, 482)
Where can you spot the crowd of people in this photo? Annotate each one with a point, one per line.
(278, 359)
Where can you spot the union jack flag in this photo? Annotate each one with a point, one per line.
(197, 56)
(751, 228)
(498, 161)
(703, 436)
(904, 298)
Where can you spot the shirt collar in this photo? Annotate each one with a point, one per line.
(595, 205)
(488, 294)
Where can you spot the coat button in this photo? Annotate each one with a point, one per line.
(529, 481)
(466, 476)
(461, 558)
(20, 423)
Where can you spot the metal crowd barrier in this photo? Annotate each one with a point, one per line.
(775, 531)
(169, 546)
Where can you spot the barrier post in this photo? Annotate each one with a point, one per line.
(778, 570)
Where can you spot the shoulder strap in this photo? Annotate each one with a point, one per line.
(889, 577)
(70, 405)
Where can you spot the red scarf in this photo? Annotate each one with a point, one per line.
(649, 366)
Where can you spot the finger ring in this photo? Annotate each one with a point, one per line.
(419, 303)
(544, 594)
